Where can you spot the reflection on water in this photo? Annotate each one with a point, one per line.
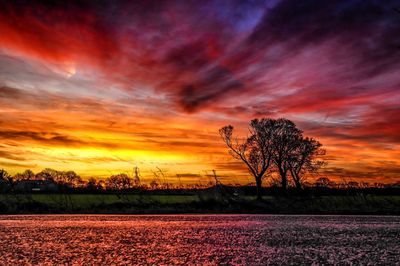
(199, 239)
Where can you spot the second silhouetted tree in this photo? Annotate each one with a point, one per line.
(255, 150)
(275, 144)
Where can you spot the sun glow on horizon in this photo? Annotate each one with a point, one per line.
(94, 91)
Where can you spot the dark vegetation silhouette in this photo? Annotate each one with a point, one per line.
(55, 181)
(52, 191)
(275, 152)
(255, 151)
(275, 145)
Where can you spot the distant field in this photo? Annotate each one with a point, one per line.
(199, 240)
(196, 203)
(87, 200)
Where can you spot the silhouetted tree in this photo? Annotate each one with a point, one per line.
(285, 139)
(65, 178)
(278, 143)
(353, 185)
(154, 184)
(119, 182)
(72, 179)
(93, 184)
(323, 182)
(62, 178)
(255, 150)
(26, 175)
(6, 180)
(4, 175)
(47, 174)
(304, 159)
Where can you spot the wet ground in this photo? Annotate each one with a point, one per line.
(199, 239)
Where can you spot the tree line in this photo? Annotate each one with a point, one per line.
(275, 146)
(69, 181)
(64, 181)
(274, 149)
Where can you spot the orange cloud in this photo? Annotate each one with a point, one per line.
(103, 87)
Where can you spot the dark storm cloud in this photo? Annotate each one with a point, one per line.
(215, 83)
(211, 80)
(134, 42)
(187, 46)
(332, 66)
(364, 41)
(370, 28)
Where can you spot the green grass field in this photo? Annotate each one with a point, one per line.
(90, 199)
(82, 201)
(133, 203)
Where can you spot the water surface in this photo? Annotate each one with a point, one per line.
(199, 239)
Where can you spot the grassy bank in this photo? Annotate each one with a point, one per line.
(196, 203)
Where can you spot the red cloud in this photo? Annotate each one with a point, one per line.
(335, 63)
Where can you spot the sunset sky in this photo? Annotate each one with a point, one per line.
(100, 87)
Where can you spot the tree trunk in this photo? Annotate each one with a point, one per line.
(283, 180)
(298, 184)
(284, 184)
(296, 180)
(258, 184)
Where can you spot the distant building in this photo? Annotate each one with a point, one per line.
(36, 186)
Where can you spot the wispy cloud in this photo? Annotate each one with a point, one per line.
(165, 75)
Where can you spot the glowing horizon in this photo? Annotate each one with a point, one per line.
(102, 88)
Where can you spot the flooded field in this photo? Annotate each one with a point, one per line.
(199, 239)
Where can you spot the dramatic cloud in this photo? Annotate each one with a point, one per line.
(158, 78)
